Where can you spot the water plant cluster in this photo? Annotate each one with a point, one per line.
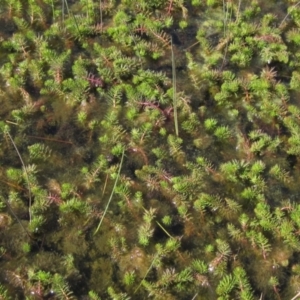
(149, 149)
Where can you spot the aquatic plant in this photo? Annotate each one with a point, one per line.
(170, 129)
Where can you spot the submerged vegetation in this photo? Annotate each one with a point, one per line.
(149, 149)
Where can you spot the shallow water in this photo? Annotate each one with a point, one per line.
(211, 213)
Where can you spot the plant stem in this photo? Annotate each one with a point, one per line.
(293, 7)
(165, 231)
(112, 193)
(101, 18)
(195, 296)
(49, 139)
(25, 170)
(53, 13)
(68, 11)
(174, 90)
(295, 297)
(149, 269)
(13, 213)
